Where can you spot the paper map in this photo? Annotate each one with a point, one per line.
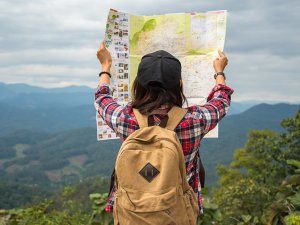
(194, 38)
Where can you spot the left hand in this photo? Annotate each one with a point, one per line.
(104, 56)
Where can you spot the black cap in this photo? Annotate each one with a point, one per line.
(159, 66)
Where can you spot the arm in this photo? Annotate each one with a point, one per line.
(218, 101)
(215, 109)
(104, 103)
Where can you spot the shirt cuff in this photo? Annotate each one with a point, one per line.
(220, 87)
(104, 89)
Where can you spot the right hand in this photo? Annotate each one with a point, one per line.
(220, 63)
(104, 57)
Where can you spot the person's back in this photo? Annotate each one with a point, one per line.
(156, 90)
(150, 176)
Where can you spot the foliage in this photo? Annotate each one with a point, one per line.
(63, 157)
(44, 214)
(80, 192)
(70, 212)
(212, 214)
(17, 195)
(260, 186)
(262, 183)
(99, 216)
(286, 206)
(6, 153)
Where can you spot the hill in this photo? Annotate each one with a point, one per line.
(48, 119)
(233, 131)
(48, 137)
(53, 109)
(57, 159)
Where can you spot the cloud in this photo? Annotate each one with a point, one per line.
(263, 76)
(83, 56)
(50, 75)
(50, 43)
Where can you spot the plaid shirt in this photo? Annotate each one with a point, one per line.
(196, 123)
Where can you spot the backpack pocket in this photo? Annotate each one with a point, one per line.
(183, 211)
(147, 202)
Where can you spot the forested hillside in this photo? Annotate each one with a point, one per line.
(260, 186)
(48, 149)
(53, 160)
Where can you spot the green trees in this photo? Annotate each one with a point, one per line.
(7, 152)
(71, 206)
(262, 183)
(261, 186)
(44, 213)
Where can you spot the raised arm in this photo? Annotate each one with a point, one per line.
(104, 103)
(218, 100)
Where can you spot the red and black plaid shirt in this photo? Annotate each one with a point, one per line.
(198, 121)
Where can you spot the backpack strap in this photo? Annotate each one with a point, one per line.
(141, 119)
(175, 116)
(201, 172)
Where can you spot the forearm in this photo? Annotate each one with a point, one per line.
(104, 78)
(216, 107)
(220, 80)
(107, 107)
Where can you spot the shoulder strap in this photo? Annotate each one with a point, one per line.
(175, 116)
(201, 172)
(141, 119)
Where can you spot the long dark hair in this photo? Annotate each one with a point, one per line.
(148, 99)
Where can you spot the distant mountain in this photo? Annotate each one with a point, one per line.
(42, 158)
(20, 88)
(233, 131)
(49, 134)
(53, 109)
(53, 160)
(31, 97)
(48, 119)
(239, 107)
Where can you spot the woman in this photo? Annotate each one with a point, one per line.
(156, 89)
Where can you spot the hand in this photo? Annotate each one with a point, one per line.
(104, 57)
(220, 63)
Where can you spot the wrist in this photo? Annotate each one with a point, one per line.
(218, 74)
(106, 67)
(104, 72)
(219, 70)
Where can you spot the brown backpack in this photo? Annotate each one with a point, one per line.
(150, 176)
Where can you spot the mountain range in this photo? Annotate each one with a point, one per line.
(48, 136)
(54, 109)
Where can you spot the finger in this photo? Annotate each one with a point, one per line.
(221, 54)
(98, 51)
(102, 45)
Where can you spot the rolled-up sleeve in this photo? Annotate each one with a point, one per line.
(107, 107)
(218, 102)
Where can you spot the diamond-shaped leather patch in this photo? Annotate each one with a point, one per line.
(149, 172)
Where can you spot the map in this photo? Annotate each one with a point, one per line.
(194, 38)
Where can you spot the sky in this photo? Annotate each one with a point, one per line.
(53, 43)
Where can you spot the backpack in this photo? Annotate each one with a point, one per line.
(150, 176)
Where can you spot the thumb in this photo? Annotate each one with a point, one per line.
(102, 45)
